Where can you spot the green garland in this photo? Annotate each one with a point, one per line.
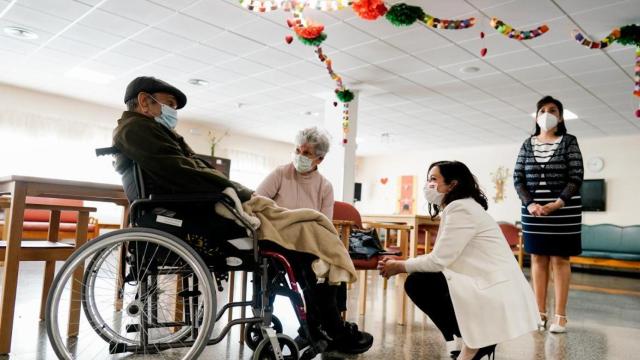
(345, 95)
(316, 41)
(629, 35)
(404, 15)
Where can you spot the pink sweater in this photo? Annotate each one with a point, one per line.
(292, 190)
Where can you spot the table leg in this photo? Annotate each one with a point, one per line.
(11, 266)
(49, 266)
(75, 304)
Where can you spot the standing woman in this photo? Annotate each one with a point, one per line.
(547, 176)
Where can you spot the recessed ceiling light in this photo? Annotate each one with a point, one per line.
(311, 113)
(469, 69)
(20, 33)
(89, 75)
(566, 113)
(198, 82)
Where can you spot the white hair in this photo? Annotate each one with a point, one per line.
(317, 138)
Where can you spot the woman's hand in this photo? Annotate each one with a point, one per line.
(536, 209)
(389, 267)
(551, 207)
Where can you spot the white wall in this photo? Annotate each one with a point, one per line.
(621, 171)
(48, 135)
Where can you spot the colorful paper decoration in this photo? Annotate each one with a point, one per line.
(369, 9)
(404, 15)
(260, 5)
(519, 35)
(345, 122)
(328, 5)
(448, 24)
(610, 39)
(626, 35)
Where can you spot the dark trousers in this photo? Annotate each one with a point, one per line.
(429, 291)
(324, 302)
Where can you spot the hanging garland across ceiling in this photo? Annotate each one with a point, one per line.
(312, 33)
(625, 35)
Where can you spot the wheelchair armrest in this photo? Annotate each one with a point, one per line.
(112, 150)
(195, 197)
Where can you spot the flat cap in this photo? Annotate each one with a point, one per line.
(152, 85)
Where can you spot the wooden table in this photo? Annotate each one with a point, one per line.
(19, 187)
(413, 220)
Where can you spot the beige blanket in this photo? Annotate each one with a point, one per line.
(307, 231)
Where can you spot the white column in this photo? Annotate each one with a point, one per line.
(339, 164)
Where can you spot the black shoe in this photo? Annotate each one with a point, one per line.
(488, 351)
(351, 341)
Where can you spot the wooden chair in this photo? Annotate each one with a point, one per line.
(347, 217)
(514, 238)
(51, 249)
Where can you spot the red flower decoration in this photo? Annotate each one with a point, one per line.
(369, 9)
(311, 31)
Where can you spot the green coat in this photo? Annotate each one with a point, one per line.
(167, 162)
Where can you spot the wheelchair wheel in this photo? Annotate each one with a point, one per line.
(148, 320)
(101, 267)
(253, 334)
(289, 349)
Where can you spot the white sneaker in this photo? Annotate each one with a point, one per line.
(556, 328)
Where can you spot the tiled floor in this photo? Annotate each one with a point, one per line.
(604, 323)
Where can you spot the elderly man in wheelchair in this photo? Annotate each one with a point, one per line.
(150, 290)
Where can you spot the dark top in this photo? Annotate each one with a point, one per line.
(167, 162)
(563, 173)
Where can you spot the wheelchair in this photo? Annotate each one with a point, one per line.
(149, 291)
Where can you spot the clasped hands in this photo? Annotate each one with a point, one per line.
(389, 267)
(536, 209)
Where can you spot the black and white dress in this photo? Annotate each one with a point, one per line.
(543, 173)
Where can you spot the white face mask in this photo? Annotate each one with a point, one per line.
(434, 197)
(168, 115)
(547, 121)
(302, 163)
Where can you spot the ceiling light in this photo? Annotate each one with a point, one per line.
(20, 33)
(470, 69)
(198, 82)
(85, 74)
(311, 113)
(567, 114)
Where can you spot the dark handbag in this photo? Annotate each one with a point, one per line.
(364, 244)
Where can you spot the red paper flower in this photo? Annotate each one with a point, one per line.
(369, 9)
(311, 31)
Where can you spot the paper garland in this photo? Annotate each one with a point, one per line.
(369, 9)
(328, 5)
(404, 15)
(260, 5)
(626, 35)
(519, 35)
(582, 40)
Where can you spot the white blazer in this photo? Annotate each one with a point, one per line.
(491, 297)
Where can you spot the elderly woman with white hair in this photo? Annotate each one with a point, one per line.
(299, 184)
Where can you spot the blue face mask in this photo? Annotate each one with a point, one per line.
(168, 116)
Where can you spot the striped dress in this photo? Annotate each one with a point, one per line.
(543, 173)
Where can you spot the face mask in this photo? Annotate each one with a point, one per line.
(547, 121)
(433, 196)
(168, 116)
(302, 163)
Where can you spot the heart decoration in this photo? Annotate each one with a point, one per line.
(288, 39)
(384, 180)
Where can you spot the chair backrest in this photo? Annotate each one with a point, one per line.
(346, 211)
(511, 232)
(43, 215)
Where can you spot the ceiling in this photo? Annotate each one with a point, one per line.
(409, 79)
